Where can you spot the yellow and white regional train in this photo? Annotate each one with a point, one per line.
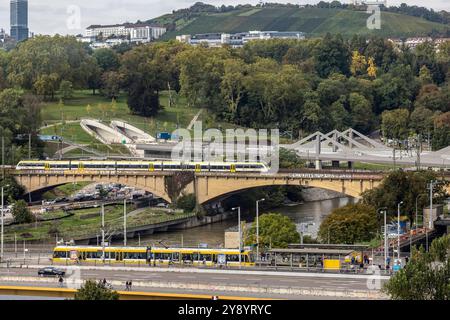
(151, 256)
(115, 166)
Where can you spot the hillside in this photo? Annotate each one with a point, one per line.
(313, 21)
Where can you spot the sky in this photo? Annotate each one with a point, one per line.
(73, 16)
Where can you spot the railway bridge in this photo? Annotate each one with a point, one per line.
(207, 186)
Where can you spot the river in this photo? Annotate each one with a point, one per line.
(311, 213)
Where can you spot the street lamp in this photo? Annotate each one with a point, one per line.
(417, 209)
(398, 230)
(257, 227)
(2, 214)
(384, 210)
(240, 235)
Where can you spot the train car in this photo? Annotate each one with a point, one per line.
(117, 166)
(151, 256)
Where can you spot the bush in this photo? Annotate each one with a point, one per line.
(187, 203)
(21, 213)
(92, 290)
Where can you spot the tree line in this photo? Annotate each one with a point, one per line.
(297, 86)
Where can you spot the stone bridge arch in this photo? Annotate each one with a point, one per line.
(209, 188)
(156, 183)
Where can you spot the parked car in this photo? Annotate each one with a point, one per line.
(51, 271)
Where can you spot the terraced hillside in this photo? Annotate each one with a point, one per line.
(314, 21)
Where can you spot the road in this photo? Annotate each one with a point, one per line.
(220, 281)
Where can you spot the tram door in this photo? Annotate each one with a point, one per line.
(233, 168)
(151, 167)
(47, 166)
(198, 168)
(80, 166)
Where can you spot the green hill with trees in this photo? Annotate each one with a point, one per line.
(313, 20)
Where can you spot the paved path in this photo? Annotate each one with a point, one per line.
(191, 125)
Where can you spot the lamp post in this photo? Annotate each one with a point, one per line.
(125, 222)
(398, 230)
(2, 214)
(384, 210)
(257, 227)
(240, 235)
(417, 209)
(430, 222)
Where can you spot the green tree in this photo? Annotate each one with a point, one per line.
(21, 213)
(46, 85)
(421, 120)
(361, 113)
(275, 230)
(111, 83)
(91, 290)
(290, 160)
(425, 277)
(12, 190)
(407, 187)
(107, 59)
(350, 224)
(332, 55)
(395, 124)
(187, 203)
(66, 89)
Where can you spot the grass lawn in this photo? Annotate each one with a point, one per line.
(64, 120)
(85, 222)
(65, 190)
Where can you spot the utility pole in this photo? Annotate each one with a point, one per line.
(398, 230)
(125, 222)
(3, 158)
(29, 146)
(257, 228)
(240, 234)
(419, 151)
(1, 213)
(430, 222)
(103, 232)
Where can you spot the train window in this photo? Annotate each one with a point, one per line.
(175, 256)
(233, 257)
(60, 254)
(187, 257)
(205, 257)
(204, 167)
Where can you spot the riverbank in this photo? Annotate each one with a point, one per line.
(316, 194)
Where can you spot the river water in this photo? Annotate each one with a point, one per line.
(311, 213)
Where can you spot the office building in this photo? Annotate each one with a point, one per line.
(19, 19)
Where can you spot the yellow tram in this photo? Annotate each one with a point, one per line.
(151, 256)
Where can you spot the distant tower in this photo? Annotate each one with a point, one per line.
(19, 19)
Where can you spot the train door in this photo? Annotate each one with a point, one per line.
(151, 167)
(233, 168)
(46, 166)
(198, 167)
(80, 166)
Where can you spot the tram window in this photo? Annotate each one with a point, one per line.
(157, 166)
(175, 256)
(233, 257)
(204, 167)
(188, 257)
(60, 254)
(205, 257)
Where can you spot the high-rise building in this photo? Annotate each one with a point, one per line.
(19, 19)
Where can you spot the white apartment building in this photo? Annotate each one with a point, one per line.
(237, 39)
(133, 32)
